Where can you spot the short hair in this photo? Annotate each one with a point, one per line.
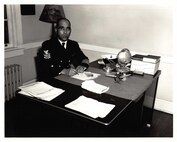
(63, 18)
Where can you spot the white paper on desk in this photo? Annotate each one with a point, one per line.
(41, 90)
(86, 76)
(92, 86)
(90, 107)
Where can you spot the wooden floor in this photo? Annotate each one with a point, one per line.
(162, 125)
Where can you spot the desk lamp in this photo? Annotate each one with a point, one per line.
(51, 13)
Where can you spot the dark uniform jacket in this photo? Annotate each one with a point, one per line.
(54, 58)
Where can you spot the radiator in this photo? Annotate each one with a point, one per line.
(13, 79)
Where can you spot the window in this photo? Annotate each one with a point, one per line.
(12, 26)
(6, 31)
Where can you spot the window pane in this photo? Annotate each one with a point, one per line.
(6, 34)
(5, 12)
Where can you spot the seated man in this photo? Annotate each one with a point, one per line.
(60, 55)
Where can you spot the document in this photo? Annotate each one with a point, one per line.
(41, 90)
(86, 76)
(92, 86)
(90, 107)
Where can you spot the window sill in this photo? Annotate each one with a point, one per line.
(12, 52)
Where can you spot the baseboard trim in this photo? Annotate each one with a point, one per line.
(164, 59)
(163, 105)
(108, 50)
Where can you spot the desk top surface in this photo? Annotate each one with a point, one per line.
(131, 89)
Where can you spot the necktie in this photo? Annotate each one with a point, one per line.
(63, 44)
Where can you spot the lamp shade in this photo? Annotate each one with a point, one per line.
(51, 13)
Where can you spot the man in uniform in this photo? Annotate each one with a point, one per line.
(60, 55)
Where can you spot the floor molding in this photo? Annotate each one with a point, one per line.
(164, 59)
(163, 105)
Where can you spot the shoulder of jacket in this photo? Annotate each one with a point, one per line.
(45, 46)
(72, 41)
(47, 42)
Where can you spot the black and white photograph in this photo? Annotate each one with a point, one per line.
(89, 70)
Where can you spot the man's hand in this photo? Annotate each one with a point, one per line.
(69, 72)
(80, 69)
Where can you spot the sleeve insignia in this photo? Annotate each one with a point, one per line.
(46, 54)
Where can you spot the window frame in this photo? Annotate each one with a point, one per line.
(14, 26)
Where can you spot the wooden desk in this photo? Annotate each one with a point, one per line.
(36, 117)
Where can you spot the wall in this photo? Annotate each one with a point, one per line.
(140, 28)
(104, 29)
(27, 61)
(33, 29)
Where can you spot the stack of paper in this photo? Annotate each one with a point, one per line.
(148, 64)
(41, 90)
(90, 107)
(92, 86)
(86, 76)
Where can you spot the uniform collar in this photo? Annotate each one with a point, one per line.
(63, 42)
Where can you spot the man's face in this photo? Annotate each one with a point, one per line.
(63, 30)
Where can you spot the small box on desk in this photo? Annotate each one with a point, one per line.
(148, 64)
